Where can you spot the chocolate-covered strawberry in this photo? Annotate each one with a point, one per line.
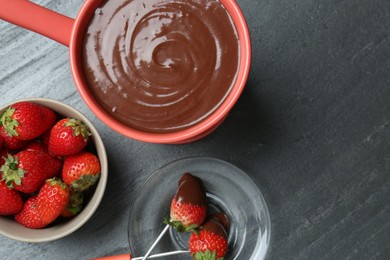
(40, 211)
(26, 120)
(211, 242)
(68, 136)
(188, 207)
(27, 170)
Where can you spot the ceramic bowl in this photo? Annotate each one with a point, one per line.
(10, 228)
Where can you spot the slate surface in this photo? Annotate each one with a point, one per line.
(312, 129)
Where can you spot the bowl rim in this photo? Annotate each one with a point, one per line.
(63, 229)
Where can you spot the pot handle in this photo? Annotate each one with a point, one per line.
(38, 19)
(115, 257)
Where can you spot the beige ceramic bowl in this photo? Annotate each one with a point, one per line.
(10, 228)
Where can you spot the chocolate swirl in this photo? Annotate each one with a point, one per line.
(160, 66)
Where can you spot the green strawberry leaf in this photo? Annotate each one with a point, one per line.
(78, 127)
(74, 210)
(57, 181)
(76, 199)
(192, 228)
(85, 181)
(179, 226)
(207, 255)
(8, 123)
(10, 172)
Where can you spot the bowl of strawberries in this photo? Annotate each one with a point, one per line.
(53, 170)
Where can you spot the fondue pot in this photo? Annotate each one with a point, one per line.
(70, 32)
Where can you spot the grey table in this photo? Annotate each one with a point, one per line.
(312, 129)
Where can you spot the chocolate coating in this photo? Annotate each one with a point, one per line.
(191, 190)
(160, 66)
(218, 224)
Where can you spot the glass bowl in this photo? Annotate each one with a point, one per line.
(228, 189)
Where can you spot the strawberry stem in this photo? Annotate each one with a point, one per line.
(10, 172)
(78, 127)
(180, 227)
(85, 181)
(8, 123)
(206, 255)
(57, 181)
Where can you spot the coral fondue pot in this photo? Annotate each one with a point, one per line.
(72, 33)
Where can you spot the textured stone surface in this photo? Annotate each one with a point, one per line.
(312, 129)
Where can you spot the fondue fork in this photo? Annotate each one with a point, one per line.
(156, 241)
(129, 257)
(163, 254)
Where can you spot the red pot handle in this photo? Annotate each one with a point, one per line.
(38, 19)
(115, 257)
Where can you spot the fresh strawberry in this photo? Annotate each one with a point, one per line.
(81, 171)
(45, 137)
(188, 207)
(75, 204)
(10, 200)
(52, 199)
(68, 136)
(210, 243)
(26, 120)
(29, 216)
(11, 142)
(26, 171)
(43, 209)
(3, 155)
(1, 142)
(36, 145)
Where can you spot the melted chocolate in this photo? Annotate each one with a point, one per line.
(160, 66)
(218, 224)
(191, 190)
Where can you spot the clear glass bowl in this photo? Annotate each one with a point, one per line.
(229, 190)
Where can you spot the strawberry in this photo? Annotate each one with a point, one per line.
(11, 142)
(188, 207)
(75, 204)
(26, 120)
(45, 137)
(3, 155)
(29, 216)
(81, 171)
(52, 199)
(43, 209)
(10, 200)
(26, 171)
(1, 142)
(210, 243)
(68, 137)
(36, 145)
